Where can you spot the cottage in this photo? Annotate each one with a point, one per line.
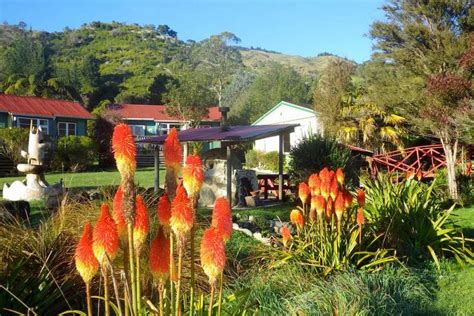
(57, 118)
(288, 113)
(150, 120)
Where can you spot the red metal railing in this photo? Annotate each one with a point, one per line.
(426, 158)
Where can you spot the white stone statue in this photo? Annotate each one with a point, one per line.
(34, 187)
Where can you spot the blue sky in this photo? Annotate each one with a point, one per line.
(298, 27)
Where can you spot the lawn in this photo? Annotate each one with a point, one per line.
(144, 178)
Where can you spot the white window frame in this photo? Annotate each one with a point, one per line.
(164, 128)
(134, 126)
(37, 121)
(68, 128)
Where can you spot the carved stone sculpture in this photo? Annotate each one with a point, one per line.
(35, 186)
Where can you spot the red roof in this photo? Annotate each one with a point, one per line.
(155, 112)
(42, 107)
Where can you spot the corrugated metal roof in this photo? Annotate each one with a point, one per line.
(36, 106)
(238, 133)
(155, 112)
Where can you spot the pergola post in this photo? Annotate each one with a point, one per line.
(280, 167)
(156, 153)
(229, 174)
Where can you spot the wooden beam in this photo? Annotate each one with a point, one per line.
(280, 167)
(229, 175)
(156, 153)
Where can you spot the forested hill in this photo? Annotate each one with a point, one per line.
(116, 62)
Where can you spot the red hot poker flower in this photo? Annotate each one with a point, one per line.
(339, 206)
(319, 204)
(164, 210)
(286, 235)
(340, 176)
(182, 214)
(193, 175)
(313, 180)
(329, 208)
(123, 147)
(172, 151)
(118, 214)
(222, 218)
(213, 256)
(159, 256)
(334, 189)
(105, 236)
(360, 216)
(347, 198)
(86, 263)
(141, 225)
(297, 218)
(361, 197)
(324, 175)
(303, 192)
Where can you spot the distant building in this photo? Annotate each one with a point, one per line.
(146, 120)
(288, 113)
(57, 118)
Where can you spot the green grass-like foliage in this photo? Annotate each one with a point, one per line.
(412, 220)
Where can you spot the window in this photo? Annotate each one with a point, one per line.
(138, 130)
(24, 122)
(67, 129)
(164, 128)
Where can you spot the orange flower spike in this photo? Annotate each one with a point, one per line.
(123, 147)
(193, 175)
(329, 208)
(419, 174)
(213, 256)
(313, 180)
(173, 151)
(331, 175)
(105, 236)
(86, 263)
(325, 188)
(182, 214)
(334, 189)
(410, 174)
(324, 175)
(303, 192)
(319, 204)
(316, 189)
(118, 215)
(222, 218)
(159, 256)
(360, 219)
(297, 218)
(285, 235)
(347, 197)
(164, 210)
(141, 226)
(340, 176)
(339, 206)
(361, 197)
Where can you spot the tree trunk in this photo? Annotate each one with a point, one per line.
(450, 150)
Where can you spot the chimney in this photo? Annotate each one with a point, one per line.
(224, 125)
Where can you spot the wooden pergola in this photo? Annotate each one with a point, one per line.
(228, 136)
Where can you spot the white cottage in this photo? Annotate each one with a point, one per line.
(288, 113)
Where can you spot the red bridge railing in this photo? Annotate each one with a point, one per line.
(427, 159)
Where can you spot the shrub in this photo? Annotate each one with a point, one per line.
(465, 187)
(75, 153)
(261, 160)
(413, 221)
(315, 153)
(297, 290)
(12, 141)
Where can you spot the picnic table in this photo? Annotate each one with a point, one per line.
(269, 182)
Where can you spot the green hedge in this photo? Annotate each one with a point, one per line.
(74, 153)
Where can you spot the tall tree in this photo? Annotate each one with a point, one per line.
(277, 83)
(424, 42)
(220, 59)
(189, 97)
(329, 92)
